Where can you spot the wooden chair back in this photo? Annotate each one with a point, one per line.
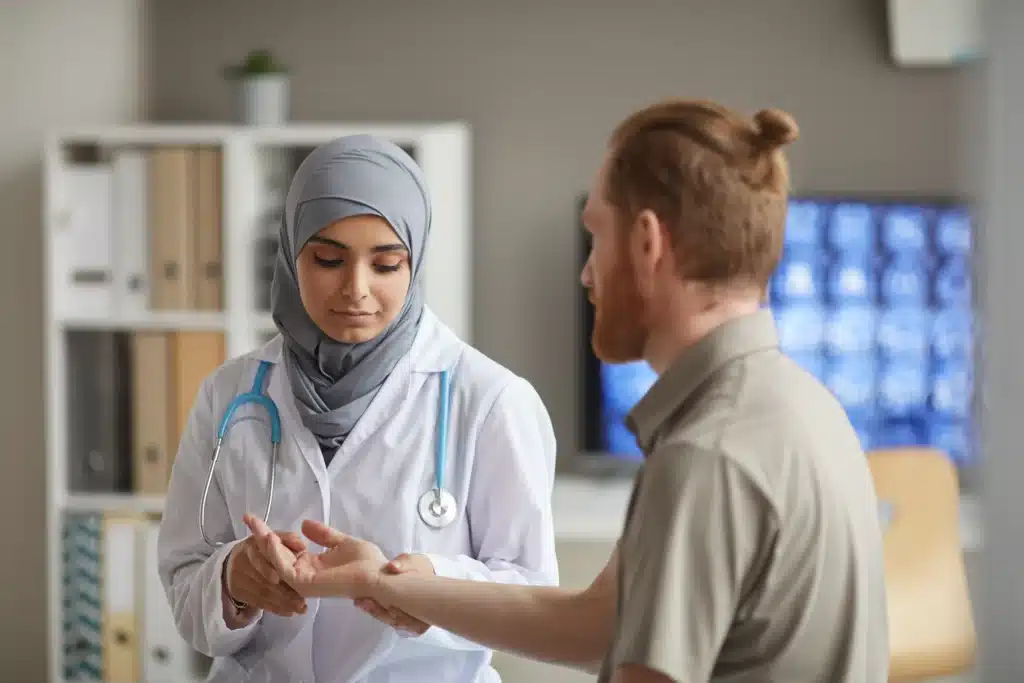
(931, 626)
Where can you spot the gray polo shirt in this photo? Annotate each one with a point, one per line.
(752, 550)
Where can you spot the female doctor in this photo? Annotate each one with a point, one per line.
(368, 382)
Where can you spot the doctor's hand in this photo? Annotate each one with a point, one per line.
(251, 578)
(403, 564)
(348, 567)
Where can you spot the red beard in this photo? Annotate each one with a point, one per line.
(619, 334)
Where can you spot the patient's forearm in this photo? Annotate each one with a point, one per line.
(540, 622)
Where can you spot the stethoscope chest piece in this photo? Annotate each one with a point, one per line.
(437, 508)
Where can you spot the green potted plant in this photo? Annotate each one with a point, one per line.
(261, 89)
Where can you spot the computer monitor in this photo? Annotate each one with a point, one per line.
(872, 296)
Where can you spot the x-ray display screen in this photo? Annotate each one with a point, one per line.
(873, 298)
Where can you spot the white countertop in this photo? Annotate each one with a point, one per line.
(594, 509)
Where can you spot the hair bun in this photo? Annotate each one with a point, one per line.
(775, 128)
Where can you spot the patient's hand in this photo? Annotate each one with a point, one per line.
(349, 567)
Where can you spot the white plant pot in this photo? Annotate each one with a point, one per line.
(262, 100)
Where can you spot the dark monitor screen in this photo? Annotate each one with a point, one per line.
(871, 296)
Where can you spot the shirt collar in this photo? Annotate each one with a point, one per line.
(727, 342)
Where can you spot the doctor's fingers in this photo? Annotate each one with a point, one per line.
(260, 565)
(400, 565)
(374, 609)
(289, 539)
(392, 617)
(292, 541)
(404, 622)
(380, 614)
(251, 589)
(284, 601)
(280, 558)
(280, 599)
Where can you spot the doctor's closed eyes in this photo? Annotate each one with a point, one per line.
(389, 258)
(331, 263)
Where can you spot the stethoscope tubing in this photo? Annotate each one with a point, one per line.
(437, 507)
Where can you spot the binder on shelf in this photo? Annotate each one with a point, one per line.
(171, 221)
(82, 656)
(131, 248)
(209, 287)
(99, 412)
(83, 241)
(153, 445)
(168, 371)
(193, 356)
(120, 624)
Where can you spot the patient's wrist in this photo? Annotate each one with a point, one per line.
(383, 589)
(421, 564)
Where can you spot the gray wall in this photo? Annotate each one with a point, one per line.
(62, 62)
(542, 83)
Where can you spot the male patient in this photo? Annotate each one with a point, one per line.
(752, 550)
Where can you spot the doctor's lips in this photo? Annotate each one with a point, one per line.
(355, 317)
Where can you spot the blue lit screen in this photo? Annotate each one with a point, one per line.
(873, 298)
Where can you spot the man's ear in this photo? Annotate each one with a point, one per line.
(648, 243)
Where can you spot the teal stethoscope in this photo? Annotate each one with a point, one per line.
(437, 507)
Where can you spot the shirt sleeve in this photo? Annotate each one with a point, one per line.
(698, 529)
(509, 502)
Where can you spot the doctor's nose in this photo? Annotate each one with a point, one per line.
(356, 284)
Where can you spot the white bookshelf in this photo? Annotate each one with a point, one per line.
(443, 152)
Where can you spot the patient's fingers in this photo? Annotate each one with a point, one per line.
(321, 534)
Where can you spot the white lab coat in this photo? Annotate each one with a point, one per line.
(500, 468)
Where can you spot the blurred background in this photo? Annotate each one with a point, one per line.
(902, 246)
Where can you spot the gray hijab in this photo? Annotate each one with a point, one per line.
(334, 382)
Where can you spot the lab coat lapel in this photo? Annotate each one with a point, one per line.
(394, 390)
(433, 349)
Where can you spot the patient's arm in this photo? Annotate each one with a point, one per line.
(570, 627)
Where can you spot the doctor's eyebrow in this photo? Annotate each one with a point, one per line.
(380, 248)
